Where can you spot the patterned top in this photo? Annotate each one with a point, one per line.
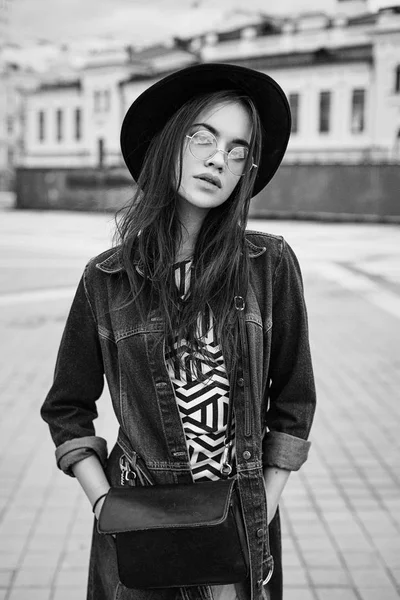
(202, 402)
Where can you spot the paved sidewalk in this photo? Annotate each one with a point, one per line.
(341, 512)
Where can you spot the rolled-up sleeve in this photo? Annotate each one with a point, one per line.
(72, 451)
(70, 406)
(291, 394)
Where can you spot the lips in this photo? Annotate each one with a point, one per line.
(210, 179)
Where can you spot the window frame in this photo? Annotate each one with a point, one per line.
(295, 111)
(77, 123)
(59, 125)
(41, 126)
(325, 121)
(354, 128)
(397, 80)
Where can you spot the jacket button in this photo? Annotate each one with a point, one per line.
(240, 382)
(246, 455)
(161, 385)
(260, 533)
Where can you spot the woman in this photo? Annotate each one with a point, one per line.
(156, 314)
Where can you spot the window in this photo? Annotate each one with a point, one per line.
(59, 124)
(101, 101)
(10, 156)
(10, 125)
(294, 109)
(358, 111)
(324, 111)
(41, 123)
(397, 80)
(78, 124)
(106, 100)
(97, 101)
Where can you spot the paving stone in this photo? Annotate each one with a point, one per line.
(335, 594)
(69, 594)
(329, 577)
(384, 593)
(321, 559)
(390, 559)
(72, 578)
(360, 560)
(371, 578)
(291, 559)
(322, 543)
(76, 559)
(395, 573)
(295, 576)
(9, 560)
(34, 577)
(299, 594)
(14, 544)
(352, 542)
(48, 558)
(32, 594)
(5, 577)
(44, 542)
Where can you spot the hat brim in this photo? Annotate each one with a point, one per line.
(155, 106)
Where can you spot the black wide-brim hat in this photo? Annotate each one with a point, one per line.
(155, 106)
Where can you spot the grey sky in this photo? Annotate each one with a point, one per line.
(140, 21)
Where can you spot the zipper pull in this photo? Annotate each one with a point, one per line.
(127, 475)
(123, 468)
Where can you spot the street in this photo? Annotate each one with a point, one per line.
(340, 512)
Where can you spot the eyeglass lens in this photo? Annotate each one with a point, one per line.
(203, 145)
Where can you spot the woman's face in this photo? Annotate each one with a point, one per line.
(207, 183)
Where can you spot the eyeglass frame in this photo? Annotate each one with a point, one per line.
(218, 150)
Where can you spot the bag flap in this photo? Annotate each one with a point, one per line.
(165, 506)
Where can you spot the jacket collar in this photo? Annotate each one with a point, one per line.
(113, 263)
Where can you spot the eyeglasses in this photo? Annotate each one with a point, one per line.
(203, 145)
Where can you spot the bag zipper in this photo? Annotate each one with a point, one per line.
(130, 475)
(127, 473)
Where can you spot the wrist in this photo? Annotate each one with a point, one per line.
(98, 508)
(98, 504)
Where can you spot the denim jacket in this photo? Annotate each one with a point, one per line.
(101, 338)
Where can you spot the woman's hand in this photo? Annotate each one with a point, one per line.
(90, 474)
(271, 510)
(274, 481)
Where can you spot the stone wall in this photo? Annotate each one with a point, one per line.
(73, 189)
(344, 192)
(332, 191)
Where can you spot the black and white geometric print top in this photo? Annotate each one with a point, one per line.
(203, 405)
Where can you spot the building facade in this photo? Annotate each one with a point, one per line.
(76, 122)
(341, 75)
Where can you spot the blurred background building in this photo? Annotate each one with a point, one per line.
(340, 71)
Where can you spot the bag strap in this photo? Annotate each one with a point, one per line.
(226, 460)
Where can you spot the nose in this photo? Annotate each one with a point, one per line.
(218, 159)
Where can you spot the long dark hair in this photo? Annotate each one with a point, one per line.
(149, 232)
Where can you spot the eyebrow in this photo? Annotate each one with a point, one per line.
(216, 133)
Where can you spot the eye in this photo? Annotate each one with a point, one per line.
(240, 153)
(203, 138)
